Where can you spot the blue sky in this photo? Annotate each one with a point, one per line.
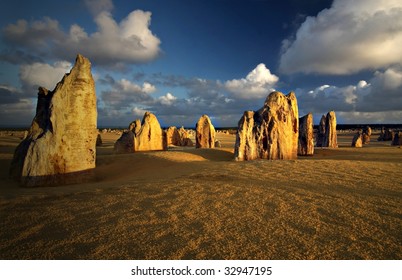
(182, 59)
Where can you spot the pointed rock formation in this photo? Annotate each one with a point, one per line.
(125, 144)
(135, 126)
(150, 137)
(321, 132)
(397, 138)
(61, 144)
(205, 133)
(99, 140)
(185, 138)
(145, 136)
(173, 136)
(331, 138)
(385, 135)
(306, 135)
(246, 146)
(357, 140)
(270, 133)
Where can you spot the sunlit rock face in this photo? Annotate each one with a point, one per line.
(271, 132)
(150, 137)
(142, 136)
(204, 133)
(60, 147)
(331, 138)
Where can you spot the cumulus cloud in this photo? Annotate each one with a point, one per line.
(122, 94)
(258, 83)
(167, 99)
(374, 101)
(346, 38)
(42, 74)
(113, 43)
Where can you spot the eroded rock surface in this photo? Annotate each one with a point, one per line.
(204, 133)
(271, 132)
(60, 147)
(145, 136)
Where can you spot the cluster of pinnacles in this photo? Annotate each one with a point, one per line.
(61, 144)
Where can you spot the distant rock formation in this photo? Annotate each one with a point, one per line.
(60, 147)
(204, 133)
(173, 136)
(397, 139)
(306, 136)
(385, 134)
(331, 138)
(366, 135)
(178, 137)
(145, 136)
(321, 132)
(357, 140)
(271, 132)
(98, 140)
(125, 144)
(185, 138)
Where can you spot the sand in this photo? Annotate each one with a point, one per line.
(185, 203)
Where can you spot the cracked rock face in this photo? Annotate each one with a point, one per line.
(271, 132)
(60, 147)
(204, 133)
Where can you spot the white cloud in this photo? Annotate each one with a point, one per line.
(138, 112)
(124, 93)
(113, 44)
(167, 99)
(377, 101)
(258, 83)
(347, 38)
(41, 74)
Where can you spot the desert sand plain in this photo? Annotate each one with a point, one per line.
(188, 203)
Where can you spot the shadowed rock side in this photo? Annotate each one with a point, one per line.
(397, 138)
(331, 138)
(321, 132)
(142, 136)
(306, 136)
(173, 136)
(270, 133)
(62, 137)
(385, 135)
(185, 138)
(204, 133)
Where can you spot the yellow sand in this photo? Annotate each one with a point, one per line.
(189, 203)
